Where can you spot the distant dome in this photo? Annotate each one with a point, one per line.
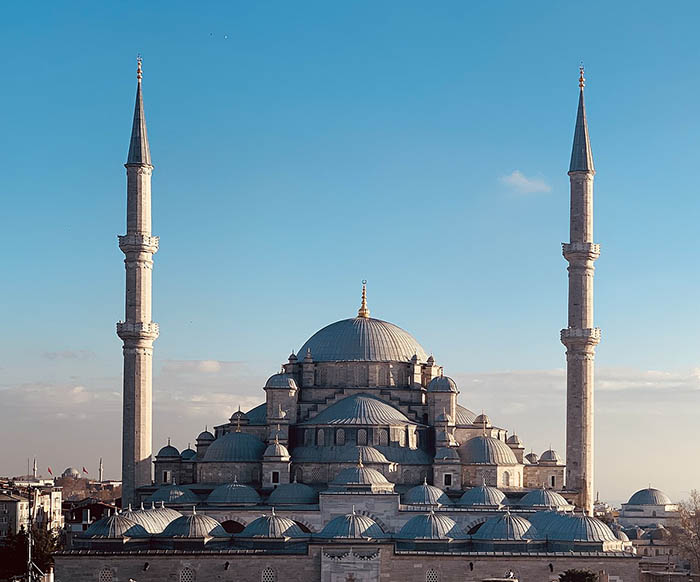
(194, 525)
(352, 526)
(482, 419)
(482, 495)
(532, 458)
(276, 449)
(362, 409)
(545, 520)
(442, 384)
(281, 380)
(550, 456)
(426, 495)
(514, 440)
(363, 339)
(657, 534)
(430, 526)
(464, 416)
(581, 528)
(188, 454)
(173, 494)
(506, 527)
(71, 472)
(235, 446)
(649, 496)
(486, 450)
(168, 452)
(272, 526)
(115, 526)
(292, 494)
(234, 494)
(205, 436)
(542, 498)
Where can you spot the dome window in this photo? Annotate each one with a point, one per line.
(320, 437)
(340, 436)
(362, 437)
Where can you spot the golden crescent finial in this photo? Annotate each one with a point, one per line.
(581, 78)
(364, 310)
(139, 72)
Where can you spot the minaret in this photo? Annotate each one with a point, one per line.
(34, 471)
(580, 337)
(100, 472)
(137, 330)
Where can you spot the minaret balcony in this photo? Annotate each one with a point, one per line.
(575, 335)
(137, 242)
(137, 330)
(584, 250)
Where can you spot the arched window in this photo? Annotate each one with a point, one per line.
(308, 437)
(383, 437)
(431, 576)
(268, 575)
(340, 436)
(553, 481)
(299, 475)
(506, 479)
(187, 575)
(362, 437)
(653, 513)
(320, 437)
(105, 575)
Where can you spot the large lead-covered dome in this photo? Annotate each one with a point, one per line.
(363, 339)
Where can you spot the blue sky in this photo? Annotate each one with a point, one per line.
(302, 147)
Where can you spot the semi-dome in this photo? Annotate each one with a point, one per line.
(581, 528)
(543, 498)
(362, 409)
(430, 526)
(425, 494)
(550, 456)
(293, 494)
(281, 380)
(194, 525)
(188, 454)
(168, 452)
(486, 450)
(173, 494)
(234, 494)
(506, 527)
(464, 416)
(272, 526)
(442, 384)
(115, 526)
(649, 496)
(352, 526)
(236, 447)
(482, 496)
(363, 339)
(545, 520)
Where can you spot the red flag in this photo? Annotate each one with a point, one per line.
(85, 470)
(50, 471)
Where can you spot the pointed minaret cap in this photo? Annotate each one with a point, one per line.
(139, 152)
(581, 156)
(364, 310)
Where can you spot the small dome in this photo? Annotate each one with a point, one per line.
(430, 526)
(426, 495)
(277, 449)
(272, 526)
(532, 458)
(293, 494)
(188, 454)
(545, 520)
(194, 525)
(649, 496)
(234, 494)
(173, 494)
(442, 384)
(205, 436)
(506, 527)
(281, 380)
(235, 447)
(168, 452)
(542, 498)
(446, 454)
(238, 416)
(514, 441)
(482, 419)
(486, 450)
(352, 526)
(115, 526)
(482, 495)
(550, 456)
(360, 475)
(581, 528)
(71, 472)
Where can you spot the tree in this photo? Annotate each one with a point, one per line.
(687, 535)
(578, 576)
(13, 553)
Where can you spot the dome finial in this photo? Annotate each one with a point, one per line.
(364, 310)
(139, 72)
(359, 458)
(238, 421)
(581, 78)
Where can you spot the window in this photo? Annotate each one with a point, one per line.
(362, 437)
(340, 436)
(275, 476)
(383, 437)
(506, 479)
(320, 437)
(268, 575)
(299, 476)
(431, 576)
(447, 479)
(187, 575)
(167, 477)
(553, 481)
(308, 437)
(105, 575)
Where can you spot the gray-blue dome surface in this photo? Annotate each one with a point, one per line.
(281, 380)
(446, 454)
(506, 527)
(349, 453)
(430, 526)
(542, 498)
(168, 451)
(194, 525)
(205, 435)
(442, 384)
(363, 339)
(272, 526)
(425, 494)
(362, 409)
(234, 494)
(258, 415)
(188, 454)
(153, 520)
(352, 526)
(550, 456)
(482, 495)
(360, 475)
(581, 528)
(486, 450)
(649, 496)
(173, 494)
(545, 521)
(293, 494)
(115, 526)
(235, 446)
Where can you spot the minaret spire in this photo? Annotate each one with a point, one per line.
(580, 336)
(364, 310)
(137, 331)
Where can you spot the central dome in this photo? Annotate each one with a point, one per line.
(362, 339)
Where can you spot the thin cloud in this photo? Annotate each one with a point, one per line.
(524, 185)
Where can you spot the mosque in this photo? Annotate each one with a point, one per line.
(360, 465)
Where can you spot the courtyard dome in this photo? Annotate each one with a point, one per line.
(486, 450)
(360, 475)
(442, 384)
(426, 495)
(506, 527)
(545, 520)
(543, 498)
(234, 494)
(292, 494)
(352, 526)
(194, 525)
(235, 446)
(153, 520)
(482, 495)
(173, 494)
(363, 339)
(362, 409)
(115, 526)
(430, 526)
(581, 528)
(550, 456)
(281, 381)
(649, 496)
(272, 526)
